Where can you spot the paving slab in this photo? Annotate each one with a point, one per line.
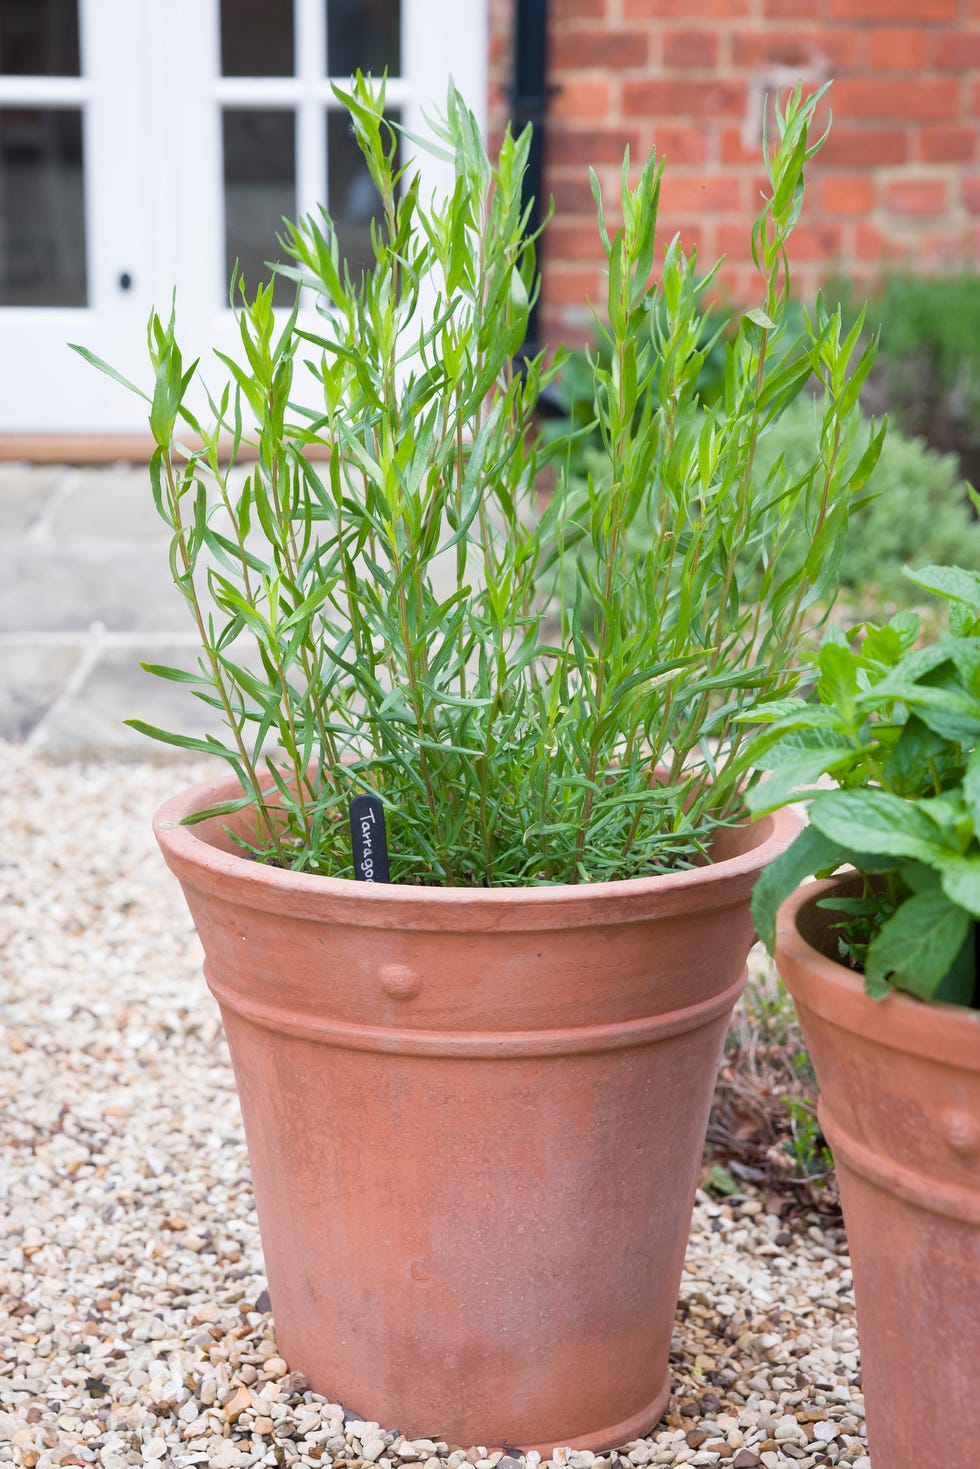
(126, 586)
(116, 689)
(115, 503)
(25, 493)
(31, 680)
(85, 594)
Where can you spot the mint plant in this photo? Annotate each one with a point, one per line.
(896, 727)
(382, 619)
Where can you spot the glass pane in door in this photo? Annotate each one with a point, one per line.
(42, 207)
(257, 38)
(364, 34)
(354, 200)
(260, 188)
(39, 38)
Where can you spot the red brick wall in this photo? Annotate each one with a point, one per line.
(898, 183)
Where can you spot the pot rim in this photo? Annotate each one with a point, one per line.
(934, 1029)
(196, 859)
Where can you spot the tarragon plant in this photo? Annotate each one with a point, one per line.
(896, 726)
(379, 615)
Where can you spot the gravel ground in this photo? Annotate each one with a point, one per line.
(133, 1320)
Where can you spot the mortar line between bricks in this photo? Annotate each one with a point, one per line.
(91, 652)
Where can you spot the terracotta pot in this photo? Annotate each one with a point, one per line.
(900, 1106)
(475, 1121)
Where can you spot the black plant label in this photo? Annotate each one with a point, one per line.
(369, 839)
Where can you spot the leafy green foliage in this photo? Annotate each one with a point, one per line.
(381, 620)
(916, 510)
(720, 1181)
(806, 1146)
(896, 726)
(572, 394)
(763, 1126)
(929, 368)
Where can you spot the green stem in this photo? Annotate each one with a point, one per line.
(618, 496)
(217, 677)
(420, 723)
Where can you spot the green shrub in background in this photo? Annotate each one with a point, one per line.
(927, 375)
(572, 394)
(916, 509)
(918, 512)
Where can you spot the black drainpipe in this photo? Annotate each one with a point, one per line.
(529, 104)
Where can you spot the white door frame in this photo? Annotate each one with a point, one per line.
(45, 385)
(151, 95)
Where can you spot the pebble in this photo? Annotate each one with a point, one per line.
(129, 1226)
(237, 1403)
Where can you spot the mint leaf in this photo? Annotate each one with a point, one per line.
(810, 853)
(961, 883)
(954, 582)
(790, 779)
(878, 822)
(917, 946)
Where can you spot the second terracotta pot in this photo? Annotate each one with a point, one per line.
(475, 1121)
(900, 1107)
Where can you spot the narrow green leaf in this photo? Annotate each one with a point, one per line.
(102, 366)
(208, 746)
(224, 808)
(175, 675)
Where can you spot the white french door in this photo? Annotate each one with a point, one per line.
(146, 145)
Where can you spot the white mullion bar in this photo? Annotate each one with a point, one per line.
(44, 91)
(311, 129)
(115, 170)
(290, 91)
(398, 91)
(191, 40)
(257, 91)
